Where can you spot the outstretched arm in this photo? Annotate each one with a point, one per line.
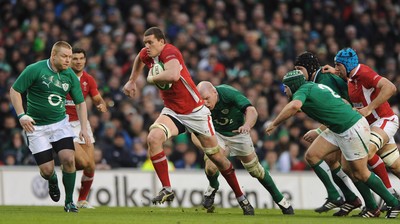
(100, 103)
(130, 87)
(288, 111)
(250, 119)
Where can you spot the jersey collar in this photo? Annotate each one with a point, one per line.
(316, 74)
(49, 66)
(354, 76)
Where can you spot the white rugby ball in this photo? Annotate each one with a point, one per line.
(157, 69)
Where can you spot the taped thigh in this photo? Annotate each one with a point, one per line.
(376, 139)
(163, 127)
(390, 156)
(254, 168)
(212, 150)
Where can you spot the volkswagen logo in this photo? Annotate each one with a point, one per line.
(40, 187)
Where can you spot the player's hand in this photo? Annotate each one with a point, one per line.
(365, 111)
(311, 135)
(84, 136)
(270, 128)
(130, 89)
(27, 123)
(102, 108)
(328, 69)
(150, 78)
(244, 129)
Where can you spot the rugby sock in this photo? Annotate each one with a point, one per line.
(53, 178)
(343, 182)
(269, 184)
(323, 173)
(377, 186)
(86, 183)
(230, 176)
(366, 194)
(213, 180)
(160, 164)
(378, 167)
(69, 184)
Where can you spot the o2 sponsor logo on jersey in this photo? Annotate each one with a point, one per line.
(55, 100)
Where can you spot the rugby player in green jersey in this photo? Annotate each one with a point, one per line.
(47, 83)
(348, 131)
(330, 169)
(233, 117)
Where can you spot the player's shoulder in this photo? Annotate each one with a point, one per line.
(39, 65)
(170, 52)
(87, 75)
(366, 73)
(37, 68)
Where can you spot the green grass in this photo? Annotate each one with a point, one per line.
(121, 215)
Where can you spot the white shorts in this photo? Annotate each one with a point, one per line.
(76, 126)
(41, 138)
(198, 122)
(238, 145)
(389, 124)
(354, 142)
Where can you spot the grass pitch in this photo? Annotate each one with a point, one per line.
(156, 215)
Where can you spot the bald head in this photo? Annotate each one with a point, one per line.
(205, 86)
(208, 93)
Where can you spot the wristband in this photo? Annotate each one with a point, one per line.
(20, 115)
(319, 131)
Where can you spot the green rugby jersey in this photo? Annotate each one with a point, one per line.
(46, 91)
(336, 83)
(324, 105)
(228, 113)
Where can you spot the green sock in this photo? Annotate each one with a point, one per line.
(53, 178)
(366, 194)
(269, 184)
(338, 175)
(69, 184)
(376, 184)
(213, 180)
(322, 171)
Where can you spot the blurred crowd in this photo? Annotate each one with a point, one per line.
(249, 44)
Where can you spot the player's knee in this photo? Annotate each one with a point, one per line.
(46, 171)
(210, 168)
(309, 157)
(153, 137)
(254, 168)
(361, 176)
(68, 162)
(390, 156)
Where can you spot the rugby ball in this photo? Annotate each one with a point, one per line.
(157, 69)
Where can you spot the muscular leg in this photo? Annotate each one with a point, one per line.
(212, 150)
(364, 190)
(378, 139)
(164, 129)
(362, 174)
(210, 169)
(67, 159)
(390, 156)
(339, 177)
(253, 166)
(314, 155)
(84, 158)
